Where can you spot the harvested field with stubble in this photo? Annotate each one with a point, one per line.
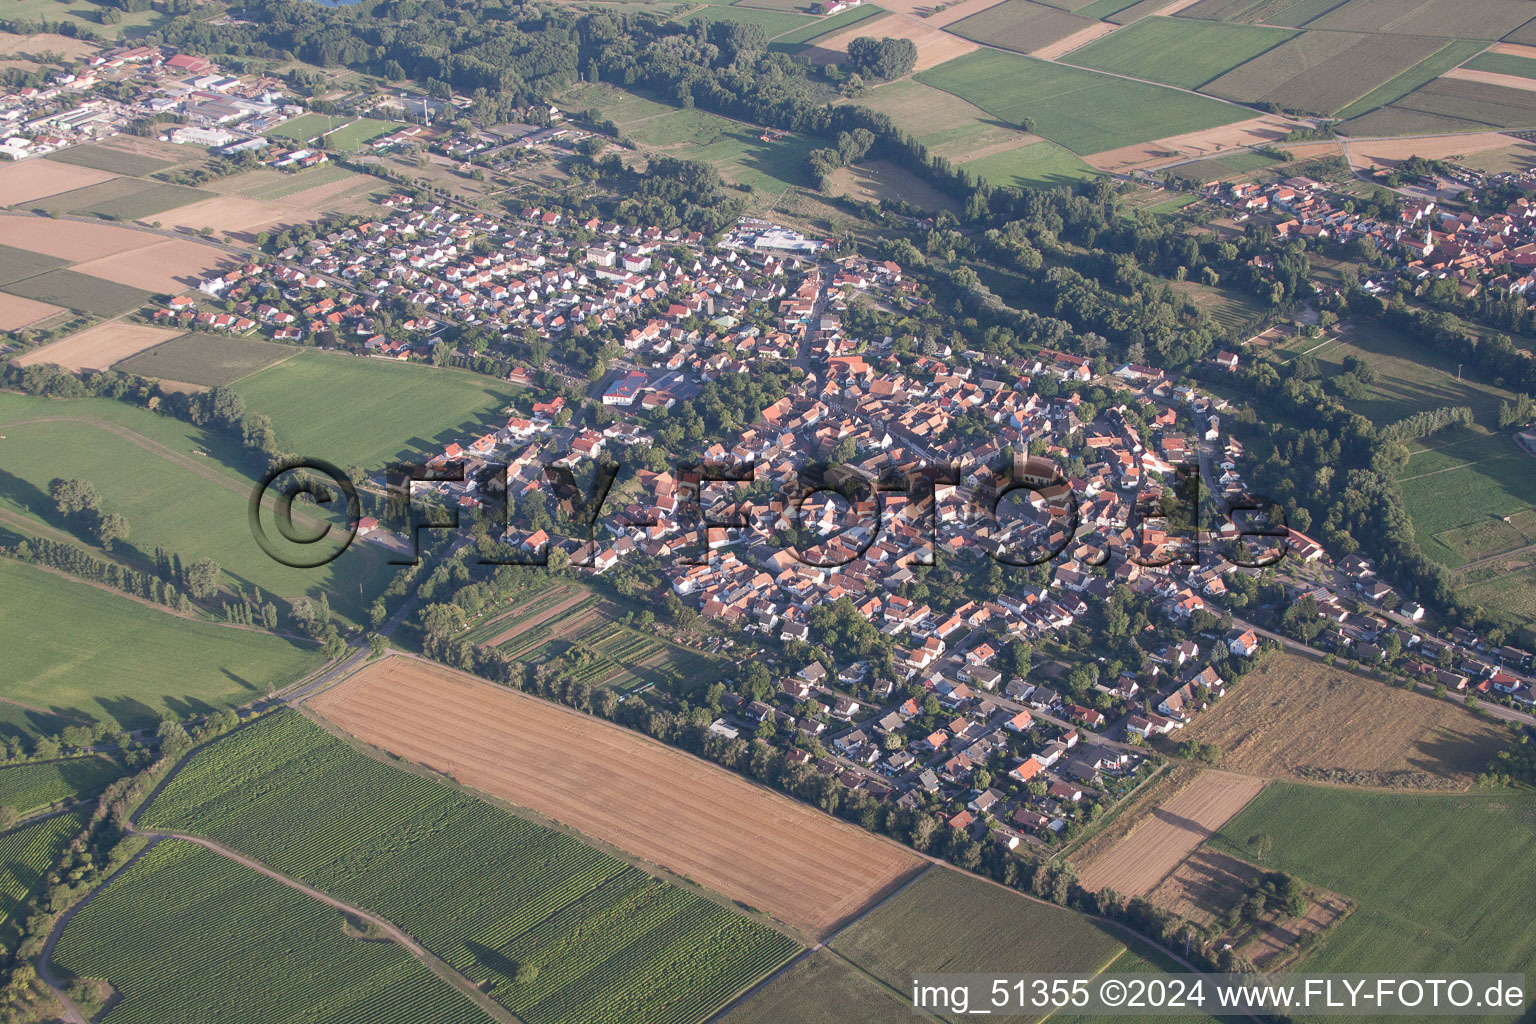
(934, 46)
(166, 266)
(1258, 131)
(70, 240)
(29, 180)
(97, 348)
(1155, 848)
(17, 312)
(1296, 718)
(615, 785)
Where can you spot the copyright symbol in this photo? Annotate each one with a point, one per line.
(324, 541)
(1112, 992)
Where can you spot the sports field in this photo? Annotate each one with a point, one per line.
(1297, 718)
(1178, 52)
(186, 936)
(653, 801)
(206, 359)
(79, 648)
(481, 888)
(327, 405)
(1431, 876)
(1082, 110)
(334, 132)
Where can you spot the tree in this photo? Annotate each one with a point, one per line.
(525, 973)
(1260, 843)
(202, 578)
(885, 58)
(73, 497)
(109, 528)
(8, 818)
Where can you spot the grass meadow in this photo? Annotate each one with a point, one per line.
(78, 649)
(1082, 110)
(1431, 876)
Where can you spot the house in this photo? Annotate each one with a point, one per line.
(1243, 644)
(1027, 769)
(1021, 722)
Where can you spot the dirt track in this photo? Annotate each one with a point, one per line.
(699, 821)
(1141, 860)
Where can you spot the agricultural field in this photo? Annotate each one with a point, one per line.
(652, 801)
(206, 359)
(1458, 487)
(739, 151)
(166, 266)
(1430, 876)
(934, 45)
(80, 292)
(1496, 106)
(123, 199)
(1297, 718)
(1158, 845)
(327, 406)
(821, 988)
(111, 159)
(1324, 71)
(774, 23)
(20, 264)
(1238, 165)
(1082, 110)
(790, 41)
(1020, 25)
(71, 240)
(28, 787)
(135, 459)
(186, 936)
(97, 348)
(481, 888)
(947, 125)
(26, 853)
(78, 648)
(951, 922)
(1187, 54)
(269, 185)
(17, 312)
(1504, 64)
(1460, 19)
(1038, 165)
(1425, 71)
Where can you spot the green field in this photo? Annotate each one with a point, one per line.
(207, 359)
(105, 158)
(1127, 14)
(823, 988)
(27, 787)
(1497, 106)
(1455, 493)
(1504, 64)
(825, 26)
(268, 185)
(950, 922)
(1176, 52)
(1036, 165)
(341, 133)
(26, 854)
(1221, 167)
(78, 648)
(116, 447)
(947, 125)
(1451, 19)
(80, 292)
(1449, 56)
(19, 264)
(1019, 25)
(123, 199)
(1105, 10)
(481, 888)
(80, 14)
(369, 412)
(186, 936)
(1082, 110)
(1432, 877)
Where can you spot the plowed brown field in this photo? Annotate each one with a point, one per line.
(1141, 860)
(803, 867)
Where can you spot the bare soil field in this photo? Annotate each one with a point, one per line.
(45, 42)
(934, 45)
(1257, 131)
(1155, 848)
(235, 214)
(534, 621)
(30, 180)
(1391, 152)
(1076, 40)
(1297, 718)
(948, 16)
(1492, 78)
(1514, 49)
(69, 239)
(97, 348)
(17, 312)
(701, 822)
(168, 265)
